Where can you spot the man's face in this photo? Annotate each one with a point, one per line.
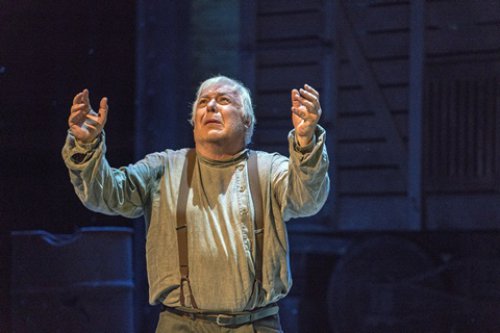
(219, 116)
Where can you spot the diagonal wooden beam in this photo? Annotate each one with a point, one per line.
(371, 87)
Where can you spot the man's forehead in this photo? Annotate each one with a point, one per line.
(219, 88)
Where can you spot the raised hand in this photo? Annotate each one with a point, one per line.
(306, 112)
(85, 123)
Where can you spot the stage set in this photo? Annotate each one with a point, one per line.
(409, 237)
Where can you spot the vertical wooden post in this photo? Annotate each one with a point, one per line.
(415, 115)
(247, 70)
(329, 95)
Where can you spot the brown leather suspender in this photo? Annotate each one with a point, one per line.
(255, 191)
(182, 241)
(182, 238)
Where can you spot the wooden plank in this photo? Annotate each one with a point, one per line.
(273, 105)
(365, 127)
(387, 45)
(286, 78)
(452, 29)
(388, 72)
(276, 105)
(396, 97)
(360, 128)
(401, 122)
(284, 6)
(355, 100)
(463, 40)
(366, 181)
(300, 54)
(288, 26)
(377, 19)
(374, 213)
(444, 13)
(358, 154)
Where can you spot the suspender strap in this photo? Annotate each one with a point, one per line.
(182, 240)
(255, 190)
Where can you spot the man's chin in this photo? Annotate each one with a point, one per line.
(213, 137)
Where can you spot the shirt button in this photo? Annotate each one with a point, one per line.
(240, 167)
(244, 211)
(242, 188)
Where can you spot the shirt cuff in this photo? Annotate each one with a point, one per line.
(80, 152)
(296, 146)
(306, 149)
(82, 147)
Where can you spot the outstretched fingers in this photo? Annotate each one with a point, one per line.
(310, 99)
(103, 111)
(311, 90)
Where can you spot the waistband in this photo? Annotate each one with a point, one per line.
(227, 318)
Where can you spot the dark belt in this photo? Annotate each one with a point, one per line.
(226, 319)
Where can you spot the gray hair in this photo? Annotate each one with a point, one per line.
(246, 102)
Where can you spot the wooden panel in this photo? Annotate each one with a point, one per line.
(273, 105)
(442, 13)
(359, 154)
(353, 101)
(396, 97)
(289, 26)
(358, 181)
(375, 95)
(389, 72)
(360, 128)
(463, 40)
(462, 212)
(364, 213)
(286, 78)
(401, 122)
(387, 45)
(289, 56)
(284, 6)
(460, 133)
(454, 26)
(275, 136)
(381, 18)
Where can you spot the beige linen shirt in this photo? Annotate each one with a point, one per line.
(219, 214)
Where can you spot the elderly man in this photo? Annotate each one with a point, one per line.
(217, 248)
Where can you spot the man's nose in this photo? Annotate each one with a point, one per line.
(212, 105)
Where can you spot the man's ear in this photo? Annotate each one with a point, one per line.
(246, 122)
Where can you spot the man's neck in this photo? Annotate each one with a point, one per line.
(217, 152)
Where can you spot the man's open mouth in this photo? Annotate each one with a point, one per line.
(213, 121)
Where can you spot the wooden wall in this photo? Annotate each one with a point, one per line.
(410, 99)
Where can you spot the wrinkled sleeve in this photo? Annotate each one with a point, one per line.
(104, 189)
(301, 183)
